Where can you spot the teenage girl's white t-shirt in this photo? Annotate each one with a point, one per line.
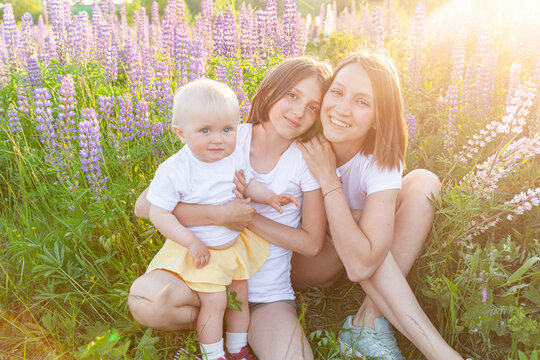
(272, 282)
(362, 176)
(184, 178)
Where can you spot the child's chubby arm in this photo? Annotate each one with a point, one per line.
(169, 226)
(258, 193)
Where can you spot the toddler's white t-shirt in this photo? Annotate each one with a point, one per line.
(184, 178)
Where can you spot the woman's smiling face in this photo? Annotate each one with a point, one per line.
(296, 112)
(348, 107)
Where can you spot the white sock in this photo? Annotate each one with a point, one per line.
(212, 351)
(236, 341)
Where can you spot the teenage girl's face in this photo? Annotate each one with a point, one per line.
(296, 112)
(348, 107)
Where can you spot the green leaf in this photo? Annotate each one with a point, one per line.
(519, 272)
(232, 303)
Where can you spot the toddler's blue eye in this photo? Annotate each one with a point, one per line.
(205, 131)
(227, 129)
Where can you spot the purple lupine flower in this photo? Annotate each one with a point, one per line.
(22, 101)
(219, 41)
(162, 91)
(142, 118)
(111, 61)
(155, 29)
(11, 38)
(27, 43)
(4, 74)
(329, 25)
(45, 123)
(157, 129)
(451, 101)
(416, 41)
(91, 150)
(196, 66)
(34, 74)
(410, 120)
(262, 37)
(182, 52)
(105, 108)
(13, 119)
(389, 6)
(290, 29)
(376, 34)
(221, 73)
(513, 80)
(125, 121)
(57, 13)
(237, 85)
(487, 72)
(229, 33)
(247, 46)
(303, 34)
(66, 111)
(272, 24)
(50, 49)
(458, 57)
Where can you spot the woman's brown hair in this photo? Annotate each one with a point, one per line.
(388, 141)
(280, 80)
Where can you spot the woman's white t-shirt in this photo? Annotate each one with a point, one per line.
(272, 282)
(362, 176)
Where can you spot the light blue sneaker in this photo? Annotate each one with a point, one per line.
(378, 343)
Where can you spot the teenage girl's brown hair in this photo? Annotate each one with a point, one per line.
(280, 80)
(388, 141)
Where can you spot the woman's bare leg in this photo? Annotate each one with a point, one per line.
(275, 333)
(161, 300)
(414, 219)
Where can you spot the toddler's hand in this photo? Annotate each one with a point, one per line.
(277, 201)
(240, 182)
(200, 253)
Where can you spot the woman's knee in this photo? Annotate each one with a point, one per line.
(421, 182)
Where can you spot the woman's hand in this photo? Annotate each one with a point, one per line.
(237, 214)
(321, 160)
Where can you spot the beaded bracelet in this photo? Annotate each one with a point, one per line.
(329, 191)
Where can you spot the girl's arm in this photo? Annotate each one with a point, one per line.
(361, 246)
(234, 215)
(308, 240)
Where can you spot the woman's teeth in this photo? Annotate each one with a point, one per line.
(339, 123)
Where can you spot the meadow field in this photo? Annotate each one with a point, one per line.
(85, 105)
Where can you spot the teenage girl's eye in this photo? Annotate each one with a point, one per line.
(205, 130)
(335, 91)
(292, 95)
(313, 108)
(362, 102)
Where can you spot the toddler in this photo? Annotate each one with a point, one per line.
(209, 258)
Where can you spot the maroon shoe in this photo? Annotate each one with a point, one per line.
(243, 354)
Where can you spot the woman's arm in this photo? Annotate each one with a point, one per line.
(308, 240)
(237, 214)
(361, 246)
(234, 215)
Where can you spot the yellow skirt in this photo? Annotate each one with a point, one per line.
(237, 262)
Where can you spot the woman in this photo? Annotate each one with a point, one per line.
(366, 137)
(284, 108)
